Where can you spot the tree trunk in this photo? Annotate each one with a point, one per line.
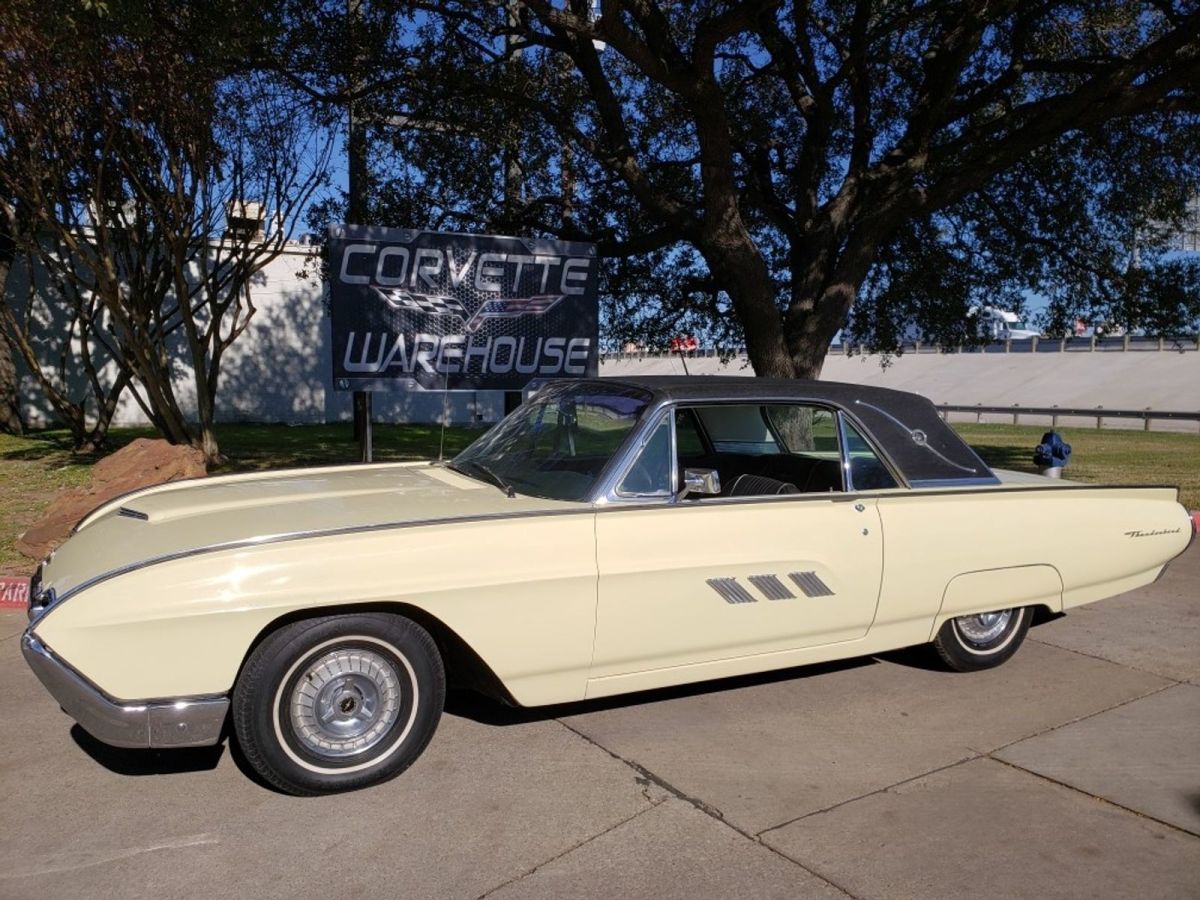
(825, 284)
(168, 418)
(811, 329)
(10, 393)
(206, 438)
(206, 443)
(10, 389)
(745, 278)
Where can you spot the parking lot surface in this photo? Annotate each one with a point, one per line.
(1073, 770)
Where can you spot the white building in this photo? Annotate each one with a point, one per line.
(280, 369)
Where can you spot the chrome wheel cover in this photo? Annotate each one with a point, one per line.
(344, 702)
(984, 628)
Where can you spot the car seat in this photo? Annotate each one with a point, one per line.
(746, 485)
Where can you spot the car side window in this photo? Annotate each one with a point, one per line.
(866, 470)
(762, 449)
(804, 429)
(739, 429)
(650, 474)
(688, 442)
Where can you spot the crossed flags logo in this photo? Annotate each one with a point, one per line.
(441, 305)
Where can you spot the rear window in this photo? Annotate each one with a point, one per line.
(738, 429)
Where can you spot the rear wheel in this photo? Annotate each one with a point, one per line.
(971, 643)
(338, 703)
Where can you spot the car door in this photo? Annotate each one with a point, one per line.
(693, 581)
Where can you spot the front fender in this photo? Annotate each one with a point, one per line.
(520, 592)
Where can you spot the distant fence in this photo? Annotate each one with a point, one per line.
(1123, 344)
(1099, 413)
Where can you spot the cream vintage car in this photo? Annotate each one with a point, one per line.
(608, 536)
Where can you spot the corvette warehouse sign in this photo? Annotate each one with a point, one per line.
(422, 310)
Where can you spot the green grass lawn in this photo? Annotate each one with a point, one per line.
(1105, 456)
(33, 467)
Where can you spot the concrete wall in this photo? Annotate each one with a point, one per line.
(1161, 380)
(280, 369)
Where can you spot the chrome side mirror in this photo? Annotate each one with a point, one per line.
(700, 481)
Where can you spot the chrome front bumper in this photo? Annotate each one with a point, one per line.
(192, 722)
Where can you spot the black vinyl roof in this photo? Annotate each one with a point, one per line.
(906, 427)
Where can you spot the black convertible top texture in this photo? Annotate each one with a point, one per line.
(906, 427)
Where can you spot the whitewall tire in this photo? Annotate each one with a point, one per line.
(339, 702)
(971, 643)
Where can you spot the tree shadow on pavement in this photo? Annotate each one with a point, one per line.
(471, 705)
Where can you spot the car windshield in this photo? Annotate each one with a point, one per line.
(556, 445)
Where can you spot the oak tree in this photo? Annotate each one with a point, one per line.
(755, 169)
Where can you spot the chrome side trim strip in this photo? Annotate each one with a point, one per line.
(599, 507)
(184, 722)
(304, 535)
(954, 482)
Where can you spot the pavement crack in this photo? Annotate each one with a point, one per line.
(647, 777)
(975, 754)
(1083, 718)
(1089, 794)
(1113, 662)
(72, 862)
(883, 790)
(573, 848)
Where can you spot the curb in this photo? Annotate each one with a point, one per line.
(14, 592)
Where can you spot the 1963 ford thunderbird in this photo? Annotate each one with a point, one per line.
(608, 536)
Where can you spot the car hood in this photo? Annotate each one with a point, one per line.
(180, 517)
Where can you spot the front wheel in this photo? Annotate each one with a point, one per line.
(971, 643)
(338, 703)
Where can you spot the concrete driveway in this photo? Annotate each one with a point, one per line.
(1074, 770)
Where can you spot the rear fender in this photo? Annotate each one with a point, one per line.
(987, 590)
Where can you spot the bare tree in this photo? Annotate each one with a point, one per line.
(10, 396)
(170, 184)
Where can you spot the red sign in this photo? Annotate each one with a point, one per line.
(684, 344)
(14, 592)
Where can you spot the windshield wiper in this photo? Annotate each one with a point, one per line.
(488, 473)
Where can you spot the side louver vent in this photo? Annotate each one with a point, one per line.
(730, 590)
(771, 587)
(810, 584)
